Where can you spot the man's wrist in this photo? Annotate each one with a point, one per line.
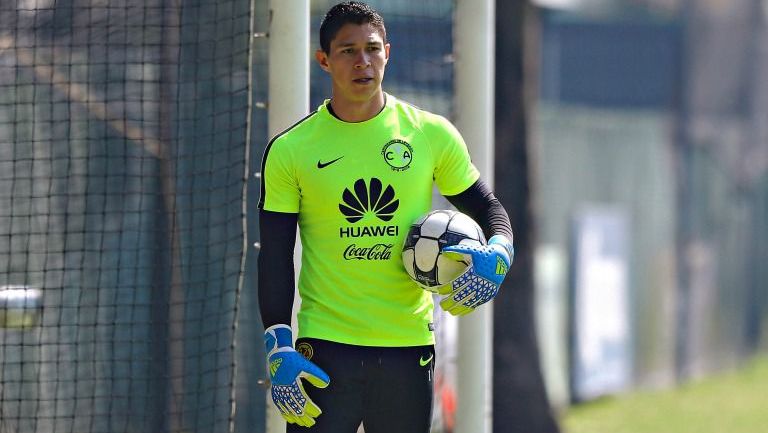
(504, 242)
(276, 336)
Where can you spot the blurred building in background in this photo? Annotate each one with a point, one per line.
(650, 116)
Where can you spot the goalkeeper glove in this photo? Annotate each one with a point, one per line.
(481, 281)
(286, 367)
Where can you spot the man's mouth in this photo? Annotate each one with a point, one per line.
(363, 80)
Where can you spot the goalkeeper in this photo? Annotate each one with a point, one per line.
(352, 176)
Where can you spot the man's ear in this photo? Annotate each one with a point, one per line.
(322, 59)
(386, 52)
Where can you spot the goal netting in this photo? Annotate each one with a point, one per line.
(123, 153)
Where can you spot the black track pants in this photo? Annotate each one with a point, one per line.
(389, 389)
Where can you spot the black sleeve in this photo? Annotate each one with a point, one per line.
(480, 204)
(276, 278)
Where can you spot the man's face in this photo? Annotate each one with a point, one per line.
(356, 62)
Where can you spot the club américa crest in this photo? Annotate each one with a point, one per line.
(398, 154)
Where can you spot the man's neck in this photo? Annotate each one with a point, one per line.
(353, 111)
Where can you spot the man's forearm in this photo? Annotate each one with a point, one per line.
(276, 275)
(479, 203)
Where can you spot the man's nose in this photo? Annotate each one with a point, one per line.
(362, 61)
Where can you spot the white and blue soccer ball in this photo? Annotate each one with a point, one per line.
(426, 238)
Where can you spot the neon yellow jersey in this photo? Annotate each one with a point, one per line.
(357, 187)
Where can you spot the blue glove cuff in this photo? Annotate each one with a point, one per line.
(504, 242)
(277, 336)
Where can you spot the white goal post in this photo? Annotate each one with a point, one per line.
(474, 52)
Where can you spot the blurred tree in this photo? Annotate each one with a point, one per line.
(520, 401)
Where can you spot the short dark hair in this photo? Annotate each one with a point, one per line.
(349, 12)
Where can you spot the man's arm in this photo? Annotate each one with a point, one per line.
(276, 273)
(481, 205)
(285, 366)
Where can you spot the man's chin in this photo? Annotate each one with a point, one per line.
(365, 94)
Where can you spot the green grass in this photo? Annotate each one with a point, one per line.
(730, 403)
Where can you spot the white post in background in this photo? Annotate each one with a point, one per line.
(288, 98)
(474, 51)
(289, 54)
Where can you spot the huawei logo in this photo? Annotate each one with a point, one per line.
(368, 198)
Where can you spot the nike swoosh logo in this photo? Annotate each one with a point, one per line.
(423, 362)
(326, 164)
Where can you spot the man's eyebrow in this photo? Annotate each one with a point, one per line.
(352, 44)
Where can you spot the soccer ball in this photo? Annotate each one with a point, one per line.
(422, 256)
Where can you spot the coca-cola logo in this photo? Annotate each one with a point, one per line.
(374, 252)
